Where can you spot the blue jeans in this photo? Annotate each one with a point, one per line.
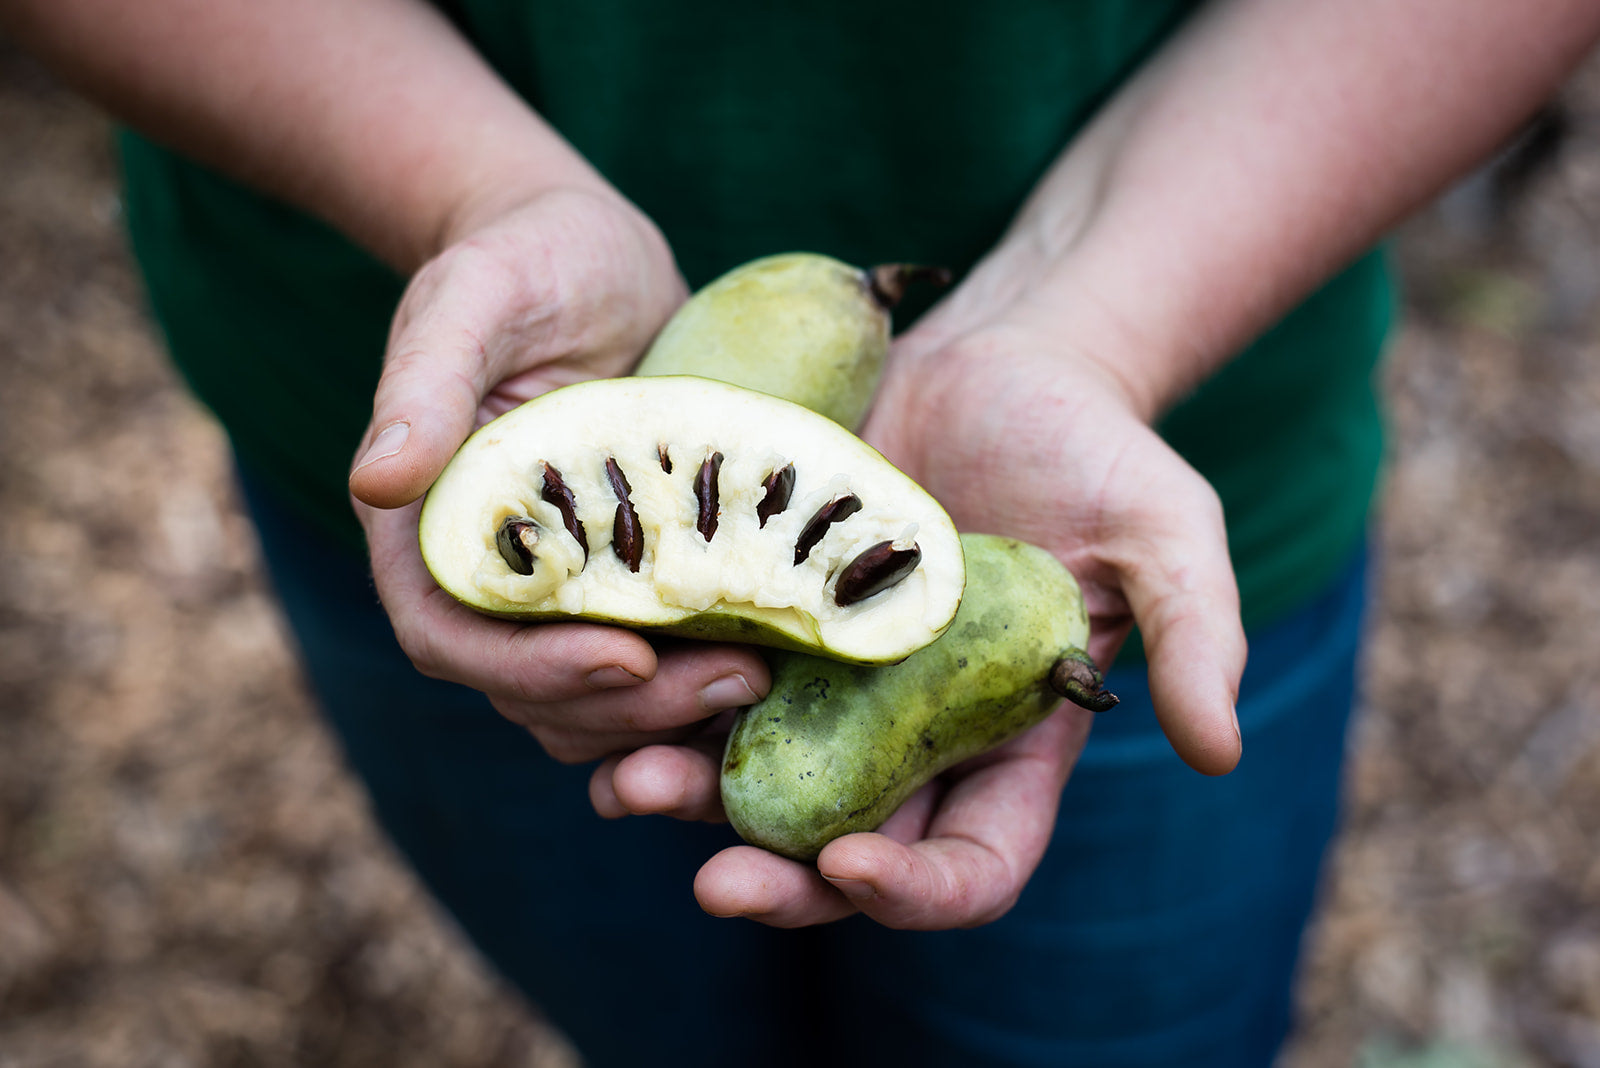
(1162, 928)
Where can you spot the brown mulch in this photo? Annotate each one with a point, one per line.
(188, 876)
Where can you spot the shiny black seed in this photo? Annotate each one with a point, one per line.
(515, 539)
(627, 537)
(556, 492)
(835, 511)
(705, 492)
(780, 487)
(873, 571)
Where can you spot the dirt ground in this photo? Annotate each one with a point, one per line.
(188, 877)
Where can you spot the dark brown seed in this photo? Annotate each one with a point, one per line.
(780, 487)
(705, 491)
(835, 511)
(874, 571)
(556, 492)
(515, 539)
(627, 537)
(666, 461)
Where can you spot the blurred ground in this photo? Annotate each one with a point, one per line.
(187, 877)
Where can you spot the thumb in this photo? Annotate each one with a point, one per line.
(1186, 602)
(434, 378)
(421, 414)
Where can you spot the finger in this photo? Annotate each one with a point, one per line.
(689, 685)
(984, 840)
(681, 781)
(446, 639)
(665, 779)
(689, 688)
(909, 822)
(580, 745)
(558, 674)
(1182, 591)
(762, 886)
(437, 371)
(601, 795)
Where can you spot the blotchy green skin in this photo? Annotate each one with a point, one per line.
(799, 325)
(715, 624)
(836, 748)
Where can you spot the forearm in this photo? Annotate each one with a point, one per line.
(1269, 144)
(374, 115)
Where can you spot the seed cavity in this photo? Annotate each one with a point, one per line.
(666, 460)
(627, 536)
(780, 487)
(557, 493)
(835, 511)
(515, 539)
(705, 492)
(876, 569)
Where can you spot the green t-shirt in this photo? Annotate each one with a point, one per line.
(891, 131)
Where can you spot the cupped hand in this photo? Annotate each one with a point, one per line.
(1017, 432)
(568, 286)
(957, 854)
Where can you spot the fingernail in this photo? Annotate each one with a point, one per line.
(390, 440)
(730, 691)
(1235, 710)
(854, 889)
(610, 678)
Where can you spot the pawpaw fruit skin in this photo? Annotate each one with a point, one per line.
(797, 325)
(836, 748)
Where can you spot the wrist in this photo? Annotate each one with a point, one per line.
(1027, 297)
(477, 209)
(1149, 368)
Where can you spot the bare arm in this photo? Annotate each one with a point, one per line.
(527, 270)
(1265, 147)
(374, 115)
(1268, 144)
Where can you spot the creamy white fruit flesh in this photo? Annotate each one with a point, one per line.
(745, 569)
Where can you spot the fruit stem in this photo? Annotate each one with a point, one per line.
(1076, 678)
(888, 281)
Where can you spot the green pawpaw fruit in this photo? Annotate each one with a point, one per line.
(691, 507)
(835, 748)
(798, 325)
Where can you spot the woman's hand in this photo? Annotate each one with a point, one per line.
(1241, 167)
(379, 118)
(1015, 433)
(570, 285)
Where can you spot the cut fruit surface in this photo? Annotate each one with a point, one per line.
(692, 507)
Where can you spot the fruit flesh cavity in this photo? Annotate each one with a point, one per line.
(715, 556)
(836, 748)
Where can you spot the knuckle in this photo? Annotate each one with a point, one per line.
(420, 649)
(1197, 499)
(566, 748)
(530, 680)
(515, 711)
